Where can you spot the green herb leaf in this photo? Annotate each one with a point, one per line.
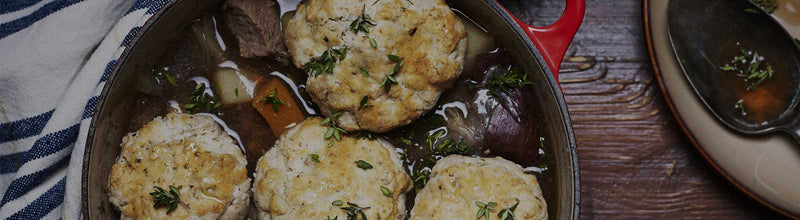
(439, 146)
(170, 79)
(484, 209)
(169, 199)
(314, 157)
(394, 58)
(164, 73)
(387, 192)
(329, 133)
(363, 103)
(337, 203)
(750, 67)
(403, 140)
(336, 133)
(740, 107)
(390, 80)
(373, 42)
(363, 165)
(353, 211)
(513, 78)
(420, 175)
(727, 67)
(387, 83)
(324, 63)
(333, 130)
(272, 99)
(365, 135)
(361, 24)
(364, 71)
(508, 213)
(201, 100)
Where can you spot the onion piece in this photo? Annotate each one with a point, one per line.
(233, 87)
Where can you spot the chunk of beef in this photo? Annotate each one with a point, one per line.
(257, 26)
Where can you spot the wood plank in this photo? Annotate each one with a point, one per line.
(635, 161)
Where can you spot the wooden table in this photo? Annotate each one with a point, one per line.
(635, 161)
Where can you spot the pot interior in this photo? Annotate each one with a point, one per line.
(542, 102)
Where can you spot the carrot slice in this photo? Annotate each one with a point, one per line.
(287, 115)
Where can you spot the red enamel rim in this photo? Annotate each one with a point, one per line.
(554, 39)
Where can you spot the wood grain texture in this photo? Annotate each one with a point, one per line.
(635, 161)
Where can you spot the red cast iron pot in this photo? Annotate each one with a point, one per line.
(539, 50)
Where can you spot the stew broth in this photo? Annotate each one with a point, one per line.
(464, 113)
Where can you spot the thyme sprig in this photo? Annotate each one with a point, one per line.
(513, 78)
(353, 211)
(390, 79)
(169, 199)
(439, 148)
(420, 175)
(750, 66)
(324, 63)
(200, 99)
(508, 213)
(362, 24)
(272, 99)
(446, 147)
(333, 130)
(484, 209)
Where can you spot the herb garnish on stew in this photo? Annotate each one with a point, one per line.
(508, 214)
(363, 165)
(387, 83)
(353, 211)
(750, 66)
(272, 99)
(169, 199)
(484, 209)
(363, 103)
(201, 99)
(514, 78)
(333, 130)
(324, 63)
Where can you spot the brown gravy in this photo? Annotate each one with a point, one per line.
(464, 112)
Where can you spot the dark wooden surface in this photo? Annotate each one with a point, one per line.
(635, 161)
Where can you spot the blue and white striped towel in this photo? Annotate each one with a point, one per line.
(55, 56)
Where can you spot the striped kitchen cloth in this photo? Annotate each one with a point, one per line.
(55, 56)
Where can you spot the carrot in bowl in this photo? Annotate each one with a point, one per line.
(275, 103)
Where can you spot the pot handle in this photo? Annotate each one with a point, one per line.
(553, 40)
